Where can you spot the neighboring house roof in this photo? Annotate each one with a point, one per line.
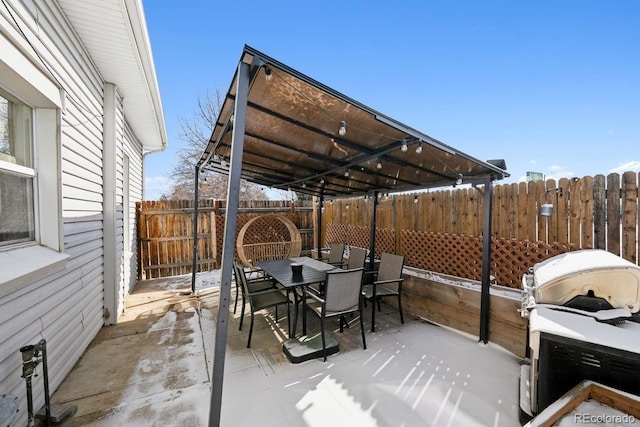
(115, 34)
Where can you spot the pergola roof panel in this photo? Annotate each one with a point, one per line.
(292, 140)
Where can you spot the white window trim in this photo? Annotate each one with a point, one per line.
(23, 264)
(17, 169)
(28, 264)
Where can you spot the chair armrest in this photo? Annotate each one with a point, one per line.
(338, 264)
(315, 296)
(383, 282)
(264, 292)
(260, 279)
(259, 273)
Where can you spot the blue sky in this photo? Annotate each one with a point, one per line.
(549, 86)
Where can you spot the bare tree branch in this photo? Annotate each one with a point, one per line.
(195, 132)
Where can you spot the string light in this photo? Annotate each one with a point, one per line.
(459, 179)
(419, 148)
(267, 73)
(343, 128)
(379, 164)
(346, 173)
(404, 147)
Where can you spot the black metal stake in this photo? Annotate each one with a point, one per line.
(30, 359)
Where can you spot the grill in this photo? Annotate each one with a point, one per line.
(583, 324)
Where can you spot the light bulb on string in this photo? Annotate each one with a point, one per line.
(419, 148)
(404, 147)
(343, 128)
(379, 164)
(267, 73)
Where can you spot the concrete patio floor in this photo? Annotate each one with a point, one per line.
(153, 368)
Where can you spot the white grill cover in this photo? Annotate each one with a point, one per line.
(559, 279)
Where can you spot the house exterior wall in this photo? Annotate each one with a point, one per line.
(132, 192)
(66, 305)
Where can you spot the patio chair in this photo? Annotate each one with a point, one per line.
(388, 282)
(357, 257)
(256, 280)
(260, 299)
(341, 296)
(336, 255)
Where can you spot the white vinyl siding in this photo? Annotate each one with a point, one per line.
(67, 307)
(133, 151)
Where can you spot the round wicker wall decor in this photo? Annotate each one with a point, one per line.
(268, 237)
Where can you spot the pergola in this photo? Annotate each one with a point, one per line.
(279, 128)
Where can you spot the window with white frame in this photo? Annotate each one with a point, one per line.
(17, 173)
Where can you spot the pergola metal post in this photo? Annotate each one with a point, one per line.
(319, 231)
(231, 221)
(486, 261)
(372, 231)
(194, 262)
(372, 254)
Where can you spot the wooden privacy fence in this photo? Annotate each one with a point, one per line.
(441, 230)
(165, 232)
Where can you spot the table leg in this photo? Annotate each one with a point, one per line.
(295, 317)
(304, 310)
(373, 309)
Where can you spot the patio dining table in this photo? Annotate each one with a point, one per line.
(299, 349)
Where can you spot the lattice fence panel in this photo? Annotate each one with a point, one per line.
(336, 233)
(443, 253)
(461, 256)
(354, 235)
(510, 259)
(358, 236)
(472, 265)
(385, 241)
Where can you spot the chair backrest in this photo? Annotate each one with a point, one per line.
(342, 289)
(238, 269)
(336, 253)
(357, 257)
(390, 268)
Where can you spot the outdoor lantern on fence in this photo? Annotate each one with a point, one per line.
(546, 210)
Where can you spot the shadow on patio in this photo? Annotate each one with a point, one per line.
(154, 367)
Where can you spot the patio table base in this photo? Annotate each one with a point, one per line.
(307, 347)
